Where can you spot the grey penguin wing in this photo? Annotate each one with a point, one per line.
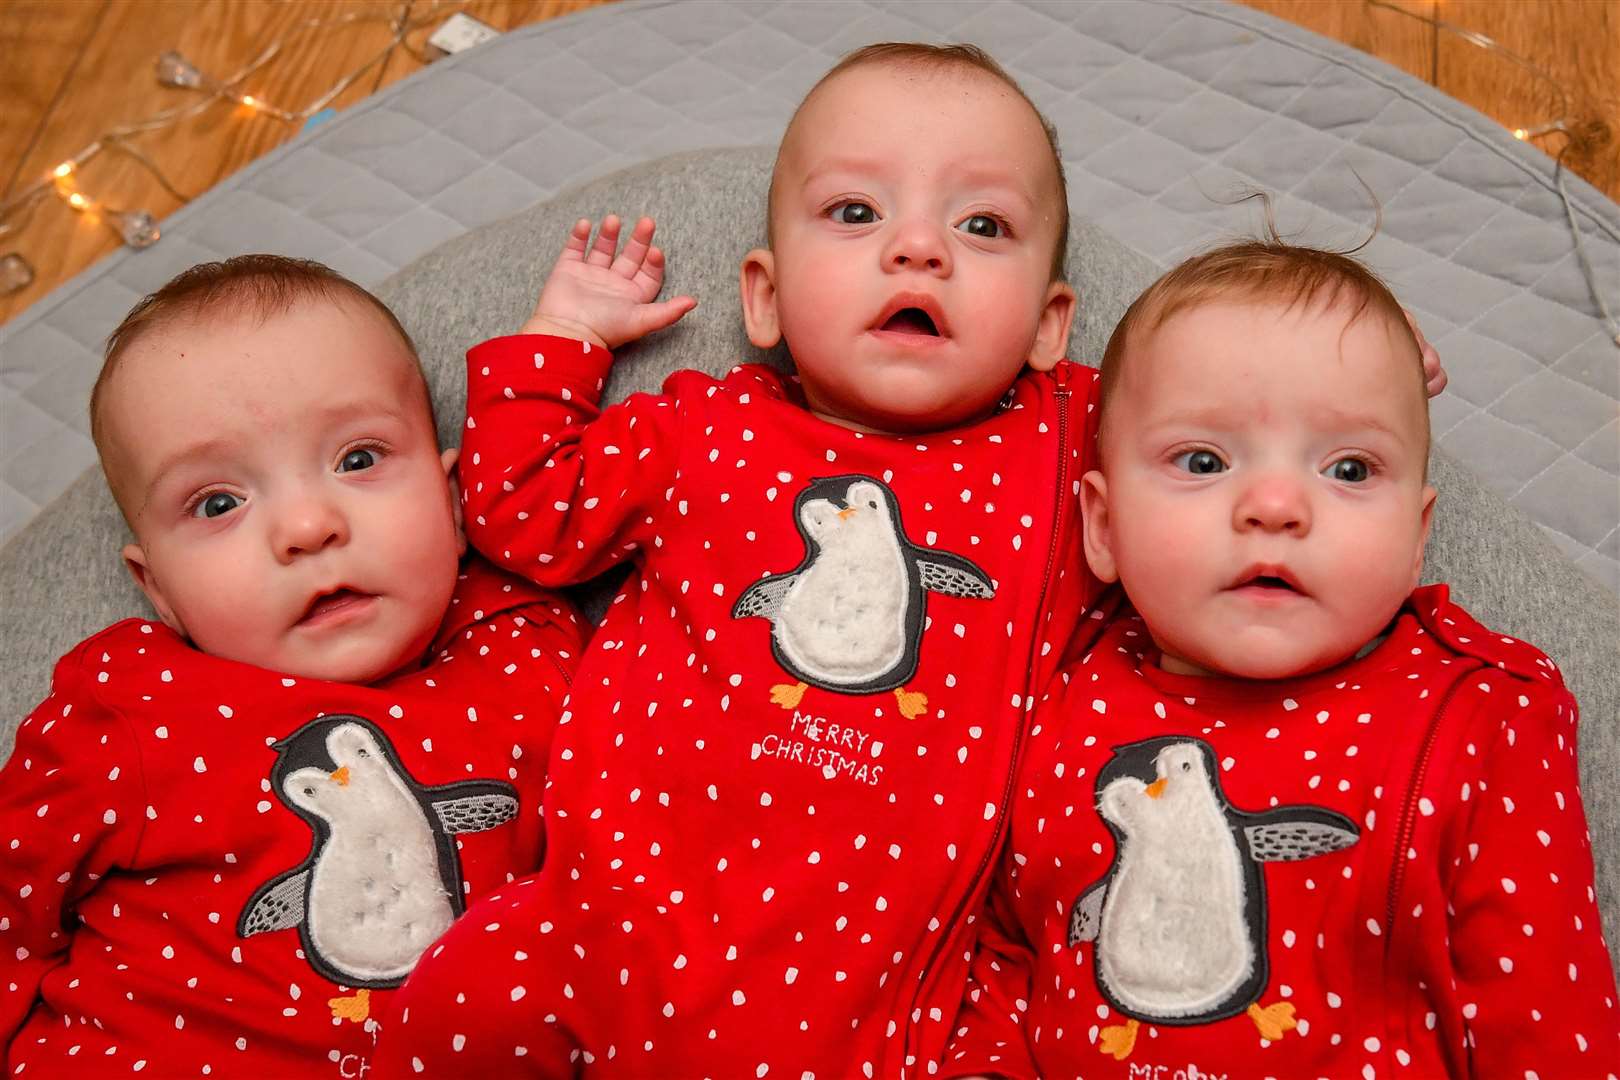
(278, 904)
(948, 573)
(1291, 833)
(473, 805)
(1085, 918)
(763, 597)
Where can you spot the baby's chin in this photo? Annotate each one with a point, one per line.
(900, 416)
(1261, 661)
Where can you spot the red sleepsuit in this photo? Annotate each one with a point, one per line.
(215, 869)
(773, 803)
(1379, 871)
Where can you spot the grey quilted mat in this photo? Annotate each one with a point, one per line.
(1165, 111)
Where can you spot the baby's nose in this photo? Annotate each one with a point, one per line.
(307, 526)
(918, 246)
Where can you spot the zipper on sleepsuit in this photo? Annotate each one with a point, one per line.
(1062, 396)
(1403, 836)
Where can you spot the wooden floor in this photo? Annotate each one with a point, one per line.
(74, 68)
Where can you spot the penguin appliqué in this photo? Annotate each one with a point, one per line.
(382, 879)
(849, 618)
(1179, 921)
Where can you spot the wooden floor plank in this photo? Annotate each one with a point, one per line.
(1575, 42)
(42, 42)
(219, 37)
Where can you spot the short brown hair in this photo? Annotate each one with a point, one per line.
(935, 56)
(1252, 270)
(258, 286)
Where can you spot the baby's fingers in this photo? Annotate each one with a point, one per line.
(650, 317)
(630, 260)
(650, 275)
(607, 241)
(578, 238)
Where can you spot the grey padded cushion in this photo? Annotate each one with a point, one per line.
(62, 578)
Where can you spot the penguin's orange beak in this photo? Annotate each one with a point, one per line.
(843, 515)
(1155, 789)
(342, 776)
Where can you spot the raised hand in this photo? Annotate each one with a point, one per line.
(604, 298)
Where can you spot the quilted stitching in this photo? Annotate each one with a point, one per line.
(1166, 111)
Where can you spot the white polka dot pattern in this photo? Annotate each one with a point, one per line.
(748, 873)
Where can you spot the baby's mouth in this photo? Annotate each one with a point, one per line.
(910, 321)
(1273, 581)
(331, 604)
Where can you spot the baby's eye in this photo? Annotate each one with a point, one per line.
(854, 213)
(983, 225)
(1200, 462)
(355, 460)
(1349, 470)
(220, 502)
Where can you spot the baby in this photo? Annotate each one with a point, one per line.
(775, 801)
(1289, 814)
(228, 832)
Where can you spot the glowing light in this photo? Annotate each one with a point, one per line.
(62, 170)
(248, 100)
(77, 201)
(1520, 134)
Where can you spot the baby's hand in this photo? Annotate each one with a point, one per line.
(593, 296)
(1434, 376)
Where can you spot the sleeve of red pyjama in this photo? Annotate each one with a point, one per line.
(989, 1038)
(1535, 983)
(555, 488)
(71, 808)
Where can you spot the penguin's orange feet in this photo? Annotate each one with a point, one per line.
(788, 696)
(355, 1008)
(1118, 1040)
(913, 703)
(1274, 1021)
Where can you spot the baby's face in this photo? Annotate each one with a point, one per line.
(287, 491)
(1263, 498)
(916, 213)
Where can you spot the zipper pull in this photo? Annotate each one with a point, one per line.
(1062, 374)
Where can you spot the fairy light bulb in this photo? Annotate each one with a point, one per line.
(15, 273)
(137, 228)
(175, 70)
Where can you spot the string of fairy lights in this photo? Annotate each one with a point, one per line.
(138, 228)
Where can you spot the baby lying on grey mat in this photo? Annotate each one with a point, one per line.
(324, 668)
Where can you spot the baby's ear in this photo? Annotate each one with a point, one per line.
(1429, 496)
(758, 284)
(1095, 525)
(135, 559)
(448, 459)
(1052, 333)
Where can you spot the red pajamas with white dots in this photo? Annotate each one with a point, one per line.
(770, 812)
(1441, 923)
(139, 822)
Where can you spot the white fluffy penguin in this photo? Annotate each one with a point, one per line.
(382, 879)
(1179, 921)
(849, 618)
